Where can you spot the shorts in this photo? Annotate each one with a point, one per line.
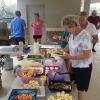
(37, 36)
(16, 40)
(81, 77)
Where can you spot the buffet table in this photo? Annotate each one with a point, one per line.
(45, 93)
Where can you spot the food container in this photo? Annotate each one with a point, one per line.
(60, 86)
(36, 48)
(56, 51)
(30, 63)
(38, 71)
(56, 75)
(32, 85)
(37, 67)
(43, 80)
(19, 92)
(21, 44)
(61, 96)
(54, 61)
(34, 57)
(26, 75)
(26, 80)
(48, 68)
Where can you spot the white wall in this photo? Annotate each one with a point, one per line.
(21, 5)
(54, 9)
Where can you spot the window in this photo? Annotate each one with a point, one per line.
(8, 6)
(95, 6)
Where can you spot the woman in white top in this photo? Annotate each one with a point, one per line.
(79, 54)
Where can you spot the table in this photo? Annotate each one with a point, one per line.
(16, 85)
(46, 92)
(8, 50)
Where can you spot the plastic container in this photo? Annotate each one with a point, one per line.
(55, 75)
(16, 92)
(48, 68)
(26, 80)
(23, 78)
(58, 86)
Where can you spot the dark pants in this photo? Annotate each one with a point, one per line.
(36, 37)
(16, 40)
(81, 76)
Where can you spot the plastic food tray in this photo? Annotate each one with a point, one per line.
(55, 88)
(48, 68)
(16, 92)
(60, 77)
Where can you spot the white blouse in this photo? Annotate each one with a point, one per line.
(91, 29)
(76, 46)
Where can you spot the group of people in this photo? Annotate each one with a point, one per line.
(91, 24)
(79, 40)
(19, 30)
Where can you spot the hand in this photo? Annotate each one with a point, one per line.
(66, 56)
(95, 39)
(65, 49)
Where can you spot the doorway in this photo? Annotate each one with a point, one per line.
(31, 9)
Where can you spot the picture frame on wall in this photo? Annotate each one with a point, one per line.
(53, 35)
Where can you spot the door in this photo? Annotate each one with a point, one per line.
(30, 16)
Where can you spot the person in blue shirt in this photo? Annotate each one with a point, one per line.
(64, 39)
(18, 27)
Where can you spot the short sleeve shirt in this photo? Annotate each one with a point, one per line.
(17, 27)
(77, 45)
(91, 29)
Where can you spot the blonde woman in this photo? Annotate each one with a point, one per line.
(79, 47)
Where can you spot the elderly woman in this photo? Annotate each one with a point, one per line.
(79, 47)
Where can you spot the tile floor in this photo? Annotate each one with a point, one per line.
(94, 90)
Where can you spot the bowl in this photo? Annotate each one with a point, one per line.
(26, 75)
